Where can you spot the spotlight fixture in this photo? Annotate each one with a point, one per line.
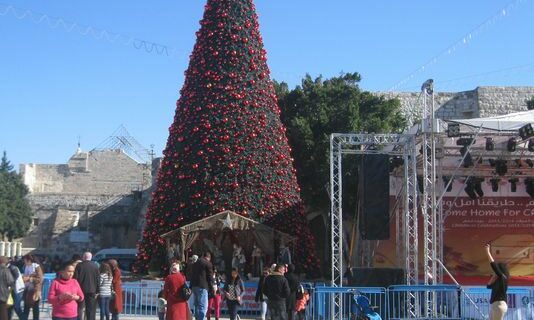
(495, 184)
(513, 184)
(446, 183)
(529, 186)
(531, 145)
(478, 186)
(530, 163)
(465, 142)
(468, 160)
(490, 144)
(500, 167)
(470, 188)
(511, 145)
(526, 131)
(428, 86)
(453, 130)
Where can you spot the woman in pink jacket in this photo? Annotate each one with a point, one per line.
(64, 295)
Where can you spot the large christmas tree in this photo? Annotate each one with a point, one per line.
(227, 148)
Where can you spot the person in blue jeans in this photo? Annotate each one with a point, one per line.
(105, 290)
(201, 282)
(234, 292)
(17, 292)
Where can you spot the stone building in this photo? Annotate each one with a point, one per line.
(96, 200)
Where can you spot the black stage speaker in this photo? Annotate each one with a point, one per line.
(374, 217)
(375, 277)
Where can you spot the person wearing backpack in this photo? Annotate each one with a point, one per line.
(177, 308)
(17, 292)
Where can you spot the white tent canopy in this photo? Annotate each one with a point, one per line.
(509, 122)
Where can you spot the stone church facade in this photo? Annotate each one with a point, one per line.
(96, 200)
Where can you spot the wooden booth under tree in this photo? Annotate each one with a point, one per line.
(220, 233)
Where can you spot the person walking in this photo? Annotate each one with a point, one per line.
(162, 305)
(276, 288)
(260, 296)
(33, 281)
(293, 282)
(234, 292)
(88, 276)
(499, 286)
(116, 284)
(202, 282)
(177, 308)
(104, 294)
(214, 296)
(6, 282)
(17, 292)
(65, 294)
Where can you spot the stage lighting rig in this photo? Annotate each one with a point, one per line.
(495, 184)
(490, 144)
(526, 131)
(465, 141)
(468, 160)
(470, 188)
(511, 145)
(513, 184)
(478, 186)
(500, 167)
(453, 130)
(428, 86)
(529, 186)
(446, 181)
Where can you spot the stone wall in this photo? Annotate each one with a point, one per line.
(480, 102)
(503, 100)
(93, 201)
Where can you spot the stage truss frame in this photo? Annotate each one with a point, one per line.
(399, 145)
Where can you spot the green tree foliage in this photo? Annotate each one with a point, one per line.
(317, 108)
(15, 211)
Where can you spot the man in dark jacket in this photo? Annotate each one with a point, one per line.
(293, 282)
(202, 282)
(276, 288)
(6, 281)
(88, 277)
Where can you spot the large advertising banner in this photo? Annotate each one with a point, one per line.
(505, 222)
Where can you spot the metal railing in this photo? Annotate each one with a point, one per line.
(520, 303)
(451, 302)
(445, 302)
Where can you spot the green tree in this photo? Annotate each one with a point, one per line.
(317, 108)
(15, 211)
(5, 165)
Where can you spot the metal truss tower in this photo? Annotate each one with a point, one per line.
(430, 208)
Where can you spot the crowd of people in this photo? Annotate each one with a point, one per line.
(279, 292)
(80, 285)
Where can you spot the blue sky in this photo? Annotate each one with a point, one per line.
(58, 84)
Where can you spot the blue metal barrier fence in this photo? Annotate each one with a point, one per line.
(442, 302)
